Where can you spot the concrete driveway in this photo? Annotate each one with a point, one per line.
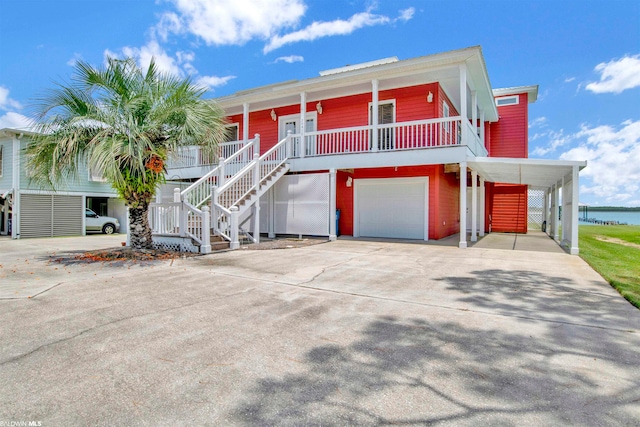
(342, 333)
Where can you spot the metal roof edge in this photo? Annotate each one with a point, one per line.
(531, 90)
(527, 161)
(460, 55)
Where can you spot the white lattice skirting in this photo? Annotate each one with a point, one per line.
(178, 244)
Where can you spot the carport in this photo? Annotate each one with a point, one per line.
(554, 177)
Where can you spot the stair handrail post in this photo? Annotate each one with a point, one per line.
(222, 177)
(175, 211)
(183, 214)
(235, 243)
(289, 144)
(205, 247)
(256, 171)
(214, 209)
(256, 144)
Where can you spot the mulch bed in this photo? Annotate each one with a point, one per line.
(144, 256)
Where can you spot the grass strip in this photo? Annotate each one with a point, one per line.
(614, 252)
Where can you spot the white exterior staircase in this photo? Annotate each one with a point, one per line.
(208, 212)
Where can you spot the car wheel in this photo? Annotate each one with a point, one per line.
(109, 229)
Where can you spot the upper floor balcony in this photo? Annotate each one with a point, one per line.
(431, 141)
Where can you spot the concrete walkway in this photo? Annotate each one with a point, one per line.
(341, 333)
(534, 241)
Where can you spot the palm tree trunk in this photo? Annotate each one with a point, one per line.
(139, 228)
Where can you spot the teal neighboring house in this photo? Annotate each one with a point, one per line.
(28, 210)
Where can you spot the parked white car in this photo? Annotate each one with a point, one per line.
(105, 224)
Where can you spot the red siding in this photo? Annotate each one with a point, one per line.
(443, 196)
(509, 136)
(448, 204)
(508, 208)
(349, 111)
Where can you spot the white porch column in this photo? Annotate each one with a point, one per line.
(374, 115)
(555, 209)
(463, 98)
(573, 248)
(303, 124)
(256, 205)
(474, 111)
(15, 218)
(332, 205)
(245, 121)
(482, 206)
(474, 206)
(563, 213)
(272, 210)
(463, 205)
(482, 127)
(545, 209)
(245, 128)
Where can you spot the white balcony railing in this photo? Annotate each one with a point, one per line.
(422, 134)
(194, 156)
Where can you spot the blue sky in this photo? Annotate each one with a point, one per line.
(585, 55)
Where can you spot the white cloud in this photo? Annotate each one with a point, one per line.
(180, 65)
(143, 55)
(72, 61)
(569, 79)
(213, 81)
(555, 140)
(290, 59)
(6, 102)
(15, 121)
(230, 22)
(613, 161)
(407, 14)
(317, 30)
(538, 122)
(617, 75)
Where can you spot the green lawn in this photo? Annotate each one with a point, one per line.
(618, 263)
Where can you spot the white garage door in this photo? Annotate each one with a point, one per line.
(393, 208)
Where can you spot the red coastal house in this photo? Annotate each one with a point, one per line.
(414, 149)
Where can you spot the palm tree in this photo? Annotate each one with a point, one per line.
(124, 122)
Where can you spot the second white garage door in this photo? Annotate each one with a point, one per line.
(392, 208)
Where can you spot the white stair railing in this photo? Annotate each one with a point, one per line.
(236, 178)
(227, 199)
(199, 192)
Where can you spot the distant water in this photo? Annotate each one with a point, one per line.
(631, 218)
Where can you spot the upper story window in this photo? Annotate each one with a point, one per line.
(446, 113)
(232, 133)
(507, 100)
(96, 175)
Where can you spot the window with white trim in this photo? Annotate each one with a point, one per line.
(232, 132)
(507, 100)
(386, 115)
(95, 175)
(445, 114)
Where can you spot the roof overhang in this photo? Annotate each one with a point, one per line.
(9, 132)
(531, 91)
(441, 67)
(533, 172)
